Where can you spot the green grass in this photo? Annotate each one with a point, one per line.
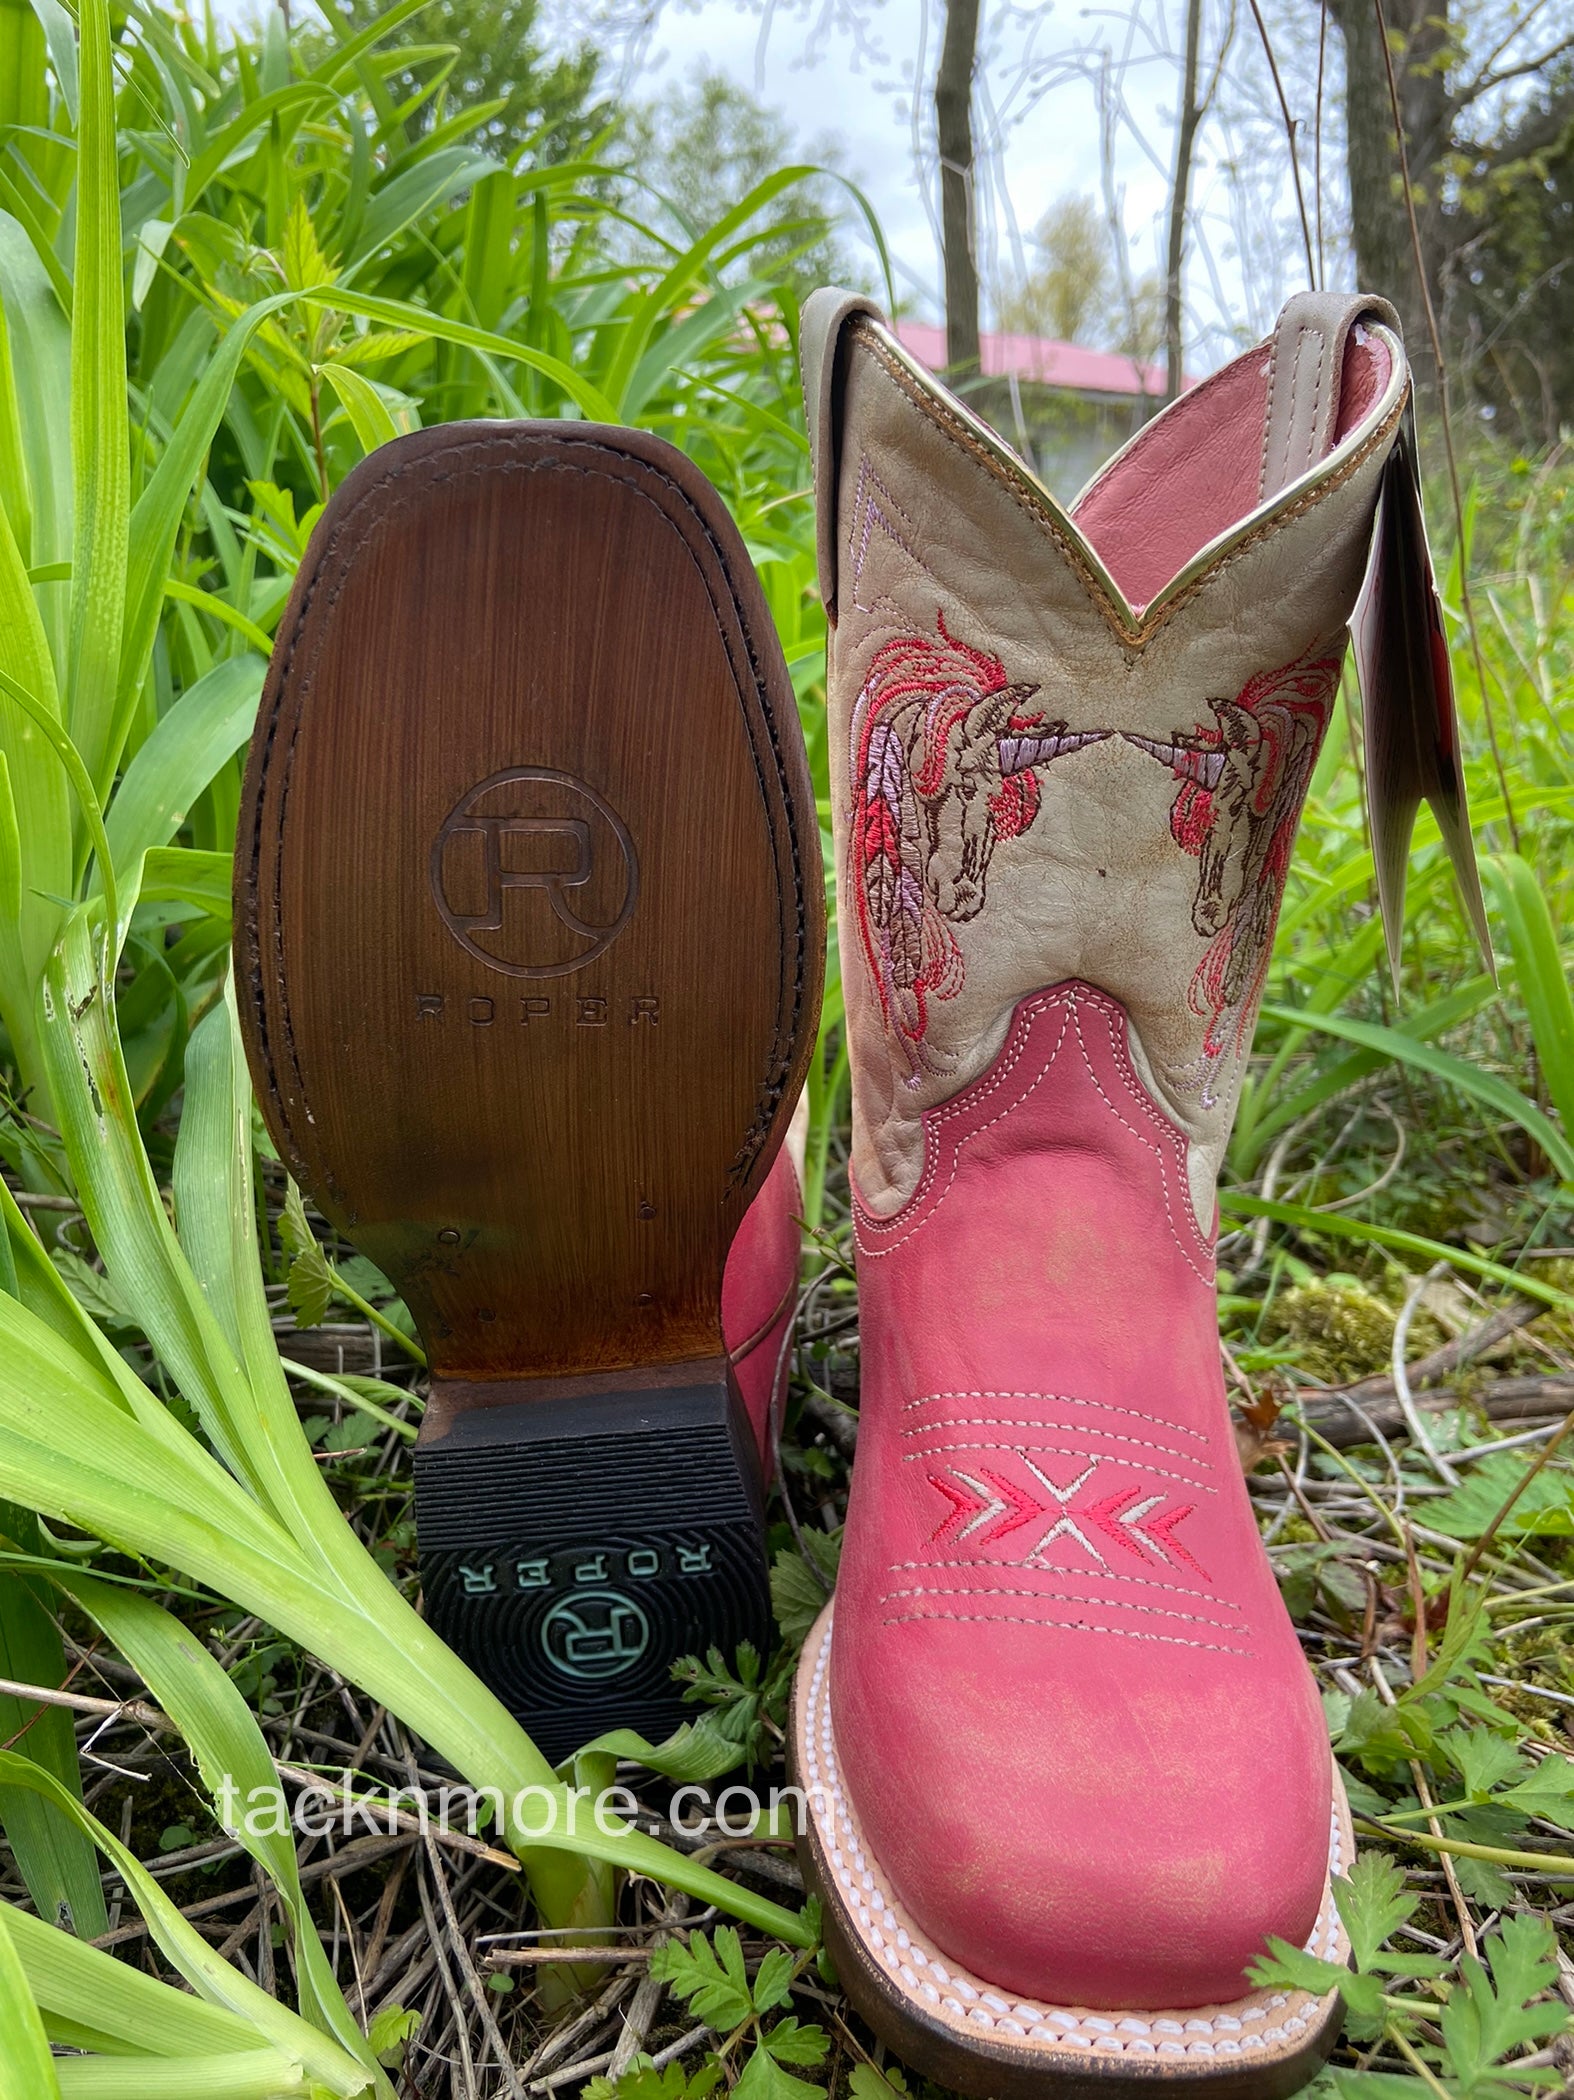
(227, 271)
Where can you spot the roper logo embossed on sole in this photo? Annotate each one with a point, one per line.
(533, 872)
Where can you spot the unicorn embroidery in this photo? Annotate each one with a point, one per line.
(1241, 787)
(944, 751)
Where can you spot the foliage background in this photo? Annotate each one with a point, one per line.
(229, 267)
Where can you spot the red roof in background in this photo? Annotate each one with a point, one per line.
(1036, 357)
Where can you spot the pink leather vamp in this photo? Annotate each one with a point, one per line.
(759, 1294)
(1072, 1711)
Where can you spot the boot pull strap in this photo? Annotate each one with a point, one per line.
(1410, 723)
(1304, 374)
(821, 330)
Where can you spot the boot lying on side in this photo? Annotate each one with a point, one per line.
(1067, 1767)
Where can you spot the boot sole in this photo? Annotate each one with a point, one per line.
(963, 2032)
(529, 948)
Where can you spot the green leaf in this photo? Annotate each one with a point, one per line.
(1486, 1087)
(1483, 1760)
(708, 1974)
(1373, 1904)
(309, 1284)
(364, 404)
(1285, 1967)
(100, 428)
(790, 2043)
(1547, 1792)
(185, 1948)
(1546, 1506)
(869, 2084)
(798, 1595)
(91, 2001)
(57, 1862)
(763, 2078)
(642, 2081)
(1487, 2020)
(773, 1981)
(207, 725)
(27, 2070)
(1540, 973)
(391, 2030)
(237, 1769)
(694, 1752)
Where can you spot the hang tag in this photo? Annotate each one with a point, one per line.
(1407, 702)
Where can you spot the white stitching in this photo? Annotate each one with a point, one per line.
(1027, 1014)
(1112, 1436)
(1071, 997)
(1006, 1618)
(1137, 1414)
(1157, 1611)
(1165, 1129)
(1051, 1572)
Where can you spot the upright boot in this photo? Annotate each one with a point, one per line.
(529, 935)
(1067, 1768)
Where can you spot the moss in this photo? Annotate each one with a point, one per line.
(1341, 1330)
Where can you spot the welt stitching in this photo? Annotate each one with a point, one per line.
(1113, 1436)
(1136, 639)
(1136, 1414)
(1005, 1618)
(345, 543)
(1200, 1487)
(890, 1934)
(1156, 1611)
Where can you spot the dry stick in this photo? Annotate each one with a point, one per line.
(1290, 129)
(385, 1909)
(349, 1934)
(647, 1998)
(1407, 1407)
(584, 2023)
(477, 1988)
(461, 2026)
(1467, 605)
(399, 1818)
(1317, 139)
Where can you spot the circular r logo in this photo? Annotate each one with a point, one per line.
(536, 831)
(595, 1633)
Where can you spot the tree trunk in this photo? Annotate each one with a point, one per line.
(954, 128)
(1185, 136)
(1384, 256)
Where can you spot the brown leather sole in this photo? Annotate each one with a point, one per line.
(957, 2029)
(529, 948)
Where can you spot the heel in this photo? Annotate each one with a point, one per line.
(575, 1543)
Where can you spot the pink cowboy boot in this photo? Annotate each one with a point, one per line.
(1066, 1766)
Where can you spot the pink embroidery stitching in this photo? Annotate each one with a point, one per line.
(988, 1506)
(1242, 784)
(943, 758)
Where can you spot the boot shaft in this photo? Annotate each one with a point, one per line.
(1077, 744)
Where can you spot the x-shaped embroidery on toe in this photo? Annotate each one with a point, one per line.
(989, 1507)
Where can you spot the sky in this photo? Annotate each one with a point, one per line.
(860, 74)
(848, 68)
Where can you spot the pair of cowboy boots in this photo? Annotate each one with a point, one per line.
(531, 922)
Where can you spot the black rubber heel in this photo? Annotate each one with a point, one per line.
(575, 1545)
